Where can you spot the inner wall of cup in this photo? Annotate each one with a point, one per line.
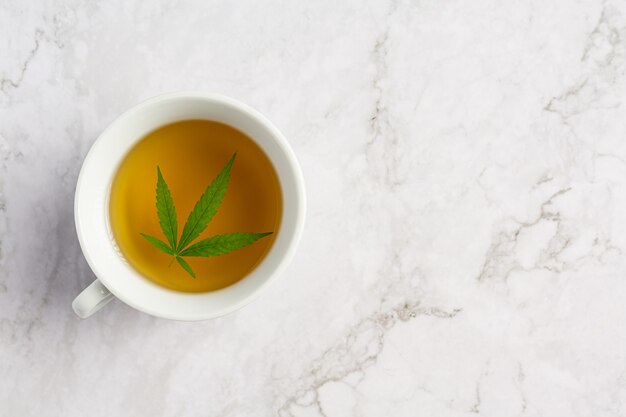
(135, 126)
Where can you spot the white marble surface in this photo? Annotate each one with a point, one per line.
(464, 252)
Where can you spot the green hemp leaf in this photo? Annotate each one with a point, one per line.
(198, 220)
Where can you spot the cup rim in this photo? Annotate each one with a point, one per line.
(195, 311)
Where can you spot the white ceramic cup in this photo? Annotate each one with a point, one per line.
(115, 277)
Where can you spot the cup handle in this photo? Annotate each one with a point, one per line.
(91, 299)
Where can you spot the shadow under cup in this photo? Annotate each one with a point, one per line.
(92, 208)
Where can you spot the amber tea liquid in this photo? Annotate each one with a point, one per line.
(190, 154)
